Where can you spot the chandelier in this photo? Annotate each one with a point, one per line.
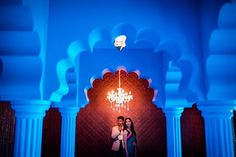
(119, 99)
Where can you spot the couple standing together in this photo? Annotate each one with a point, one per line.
(124, 138)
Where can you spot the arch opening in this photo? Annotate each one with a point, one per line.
(97, 118)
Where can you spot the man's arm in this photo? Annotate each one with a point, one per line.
(115, 132)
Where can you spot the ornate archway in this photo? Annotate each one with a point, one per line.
(94, 122)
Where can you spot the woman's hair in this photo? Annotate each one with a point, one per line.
(131, 126)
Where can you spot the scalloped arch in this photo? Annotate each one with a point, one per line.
(171, 48)
(99, 35)
(187, 73)
(75, 48)
(63, 66)
(148, 34)
(147, 83)
(124, 28)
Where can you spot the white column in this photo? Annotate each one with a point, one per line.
(28, 132)
(174, 148)
(218, 128)
(68, 129)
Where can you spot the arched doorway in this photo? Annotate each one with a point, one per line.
(94, 122)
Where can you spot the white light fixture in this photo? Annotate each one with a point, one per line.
(120, 42)
(119, 99)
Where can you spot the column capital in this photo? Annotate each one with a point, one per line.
(68, 130)
(30, 108)
(69, 111)
(173, 111)
(217, 108)
(173, 129)
(29, 122)
(218, 127)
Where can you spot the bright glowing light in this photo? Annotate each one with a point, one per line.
(119, 99)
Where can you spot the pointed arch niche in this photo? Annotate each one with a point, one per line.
(94, 122)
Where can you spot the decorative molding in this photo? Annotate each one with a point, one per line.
(99, 44)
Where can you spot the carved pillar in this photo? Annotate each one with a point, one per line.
(174, 148)
(218, 128)
(28, 131)
(68, 131)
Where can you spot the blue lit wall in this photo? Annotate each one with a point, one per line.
(179, 21)
(51, 49)
(186, 23)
